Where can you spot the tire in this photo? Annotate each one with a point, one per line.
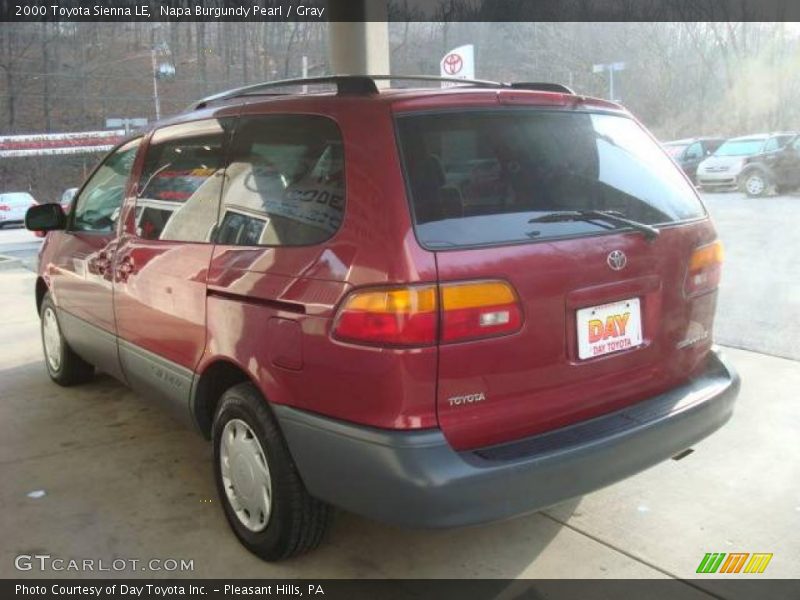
(755, 183)
(253, 458)
(63, 365)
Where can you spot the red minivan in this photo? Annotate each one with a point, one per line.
(431, 307)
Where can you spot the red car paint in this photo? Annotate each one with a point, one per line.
(270, 310)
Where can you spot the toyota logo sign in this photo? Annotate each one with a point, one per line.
(452, 63)
(617, 260)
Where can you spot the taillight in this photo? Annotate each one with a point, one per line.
(479, 309)
(409, 316)
(5, 207)
(705, 269)
(398, 316)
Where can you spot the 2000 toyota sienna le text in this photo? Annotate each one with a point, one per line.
(432, 307)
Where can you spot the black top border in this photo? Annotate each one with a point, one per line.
(397, 10)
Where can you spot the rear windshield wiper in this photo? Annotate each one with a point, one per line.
(611, 216)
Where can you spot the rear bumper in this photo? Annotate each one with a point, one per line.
(416, 479)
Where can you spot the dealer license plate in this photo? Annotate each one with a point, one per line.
(609, 328)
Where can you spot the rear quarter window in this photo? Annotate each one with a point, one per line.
(285, 182)
(478, 177)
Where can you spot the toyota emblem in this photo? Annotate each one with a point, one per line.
(617, 260)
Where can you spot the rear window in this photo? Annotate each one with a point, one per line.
(478, 177)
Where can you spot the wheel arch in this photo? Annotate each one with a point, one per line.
(757, 168)
(41, 290)
(208, 387)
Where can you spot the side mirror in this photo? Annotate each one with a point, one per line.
(45, 217)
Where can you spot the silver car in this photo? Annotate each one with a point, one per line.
(13, 206)
(721, 170)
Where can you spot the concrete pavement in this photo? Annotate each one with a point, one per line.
(19, 245)
(759, 298)
(121, 480)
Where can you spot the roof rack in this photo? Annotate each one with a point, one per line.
(365, 85)
(542, 86)
(434, 78)
(345, 84)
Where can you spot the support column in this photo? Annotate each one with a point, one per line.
(360, 45)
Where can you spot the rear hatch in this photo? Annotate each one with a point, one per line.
(606, 317)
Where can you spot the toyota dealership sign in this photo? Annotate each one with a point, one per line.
(458, 63)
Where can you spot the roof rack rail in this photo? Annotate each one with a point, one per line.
(345, 84)
(365, 85)
(542, 86)
(434, 78)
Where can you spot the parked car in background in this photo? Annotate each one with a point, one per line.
(690, 152)
(777, 170)
(66, 198)
(430, 307)
(13, 206)
(722, 170)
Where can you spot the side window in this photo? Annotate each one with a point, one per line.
(98, 206)
(179, 189)
(694, 151)
(284, 185)
(773, 143)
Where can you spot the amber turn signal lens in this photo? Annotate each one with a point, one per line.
(705, 269)
(707, 255)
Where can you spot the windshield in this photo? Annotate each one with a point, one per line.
(479, 177)
(740, 148)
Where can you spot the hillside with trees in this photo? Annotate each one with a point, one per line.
(680, 79)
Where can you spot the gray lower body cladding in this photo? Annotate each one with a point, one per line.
(416, 479)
